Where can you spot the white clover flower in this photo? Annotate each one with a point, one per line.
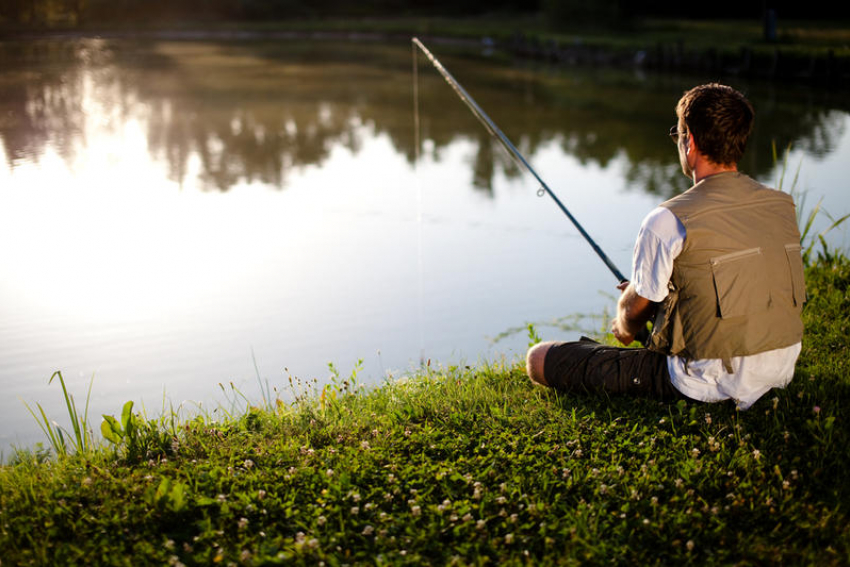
(690, 545)
(242, 523)
(261, 494)
(248, 464)
(480, 524)
(355, 510)
(509, 539)
(416, 510)
(467, 517)
(368, 530)
(329, 472)
(320, 520)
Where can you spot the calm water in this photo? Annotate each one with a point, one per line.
(171, 212)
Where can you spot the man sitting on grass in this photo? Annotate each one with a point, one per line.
(719, 268)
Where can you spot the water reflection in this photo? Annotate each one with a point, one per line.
(169, 208)
(251, 112)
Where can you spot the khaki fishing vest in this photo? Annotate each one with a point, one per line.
(737, 287)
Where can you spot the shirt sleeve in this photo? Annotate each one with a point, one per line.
(658, 243)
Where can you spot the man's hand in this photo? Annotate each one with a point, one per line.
(633, 311)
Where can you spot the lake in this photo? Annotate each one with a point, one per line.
(180, 215)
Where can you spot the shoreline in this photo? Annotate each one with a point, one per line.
(781, 62)
(477, 458)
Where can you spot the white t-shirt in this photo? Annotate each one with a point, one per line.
(659, 242)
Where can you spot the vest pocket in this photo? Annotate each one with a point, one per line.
(795, 264)
(739, 281)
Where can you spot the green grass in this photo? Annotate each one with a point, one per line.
(465, 465)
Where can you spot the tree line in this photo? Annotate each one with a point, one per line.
(48, 13)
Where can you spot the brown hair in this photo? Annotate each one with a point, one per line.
(721, 120)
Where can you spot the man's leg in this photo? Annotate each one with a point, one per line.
(587, 366)
(535, 361)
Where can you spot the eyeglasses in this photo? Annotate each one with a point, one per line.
(674, 133)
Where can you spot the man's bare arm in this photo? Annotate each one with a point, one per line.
(633, 311)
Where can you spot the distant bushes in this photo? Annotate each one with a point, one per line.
(560, 13)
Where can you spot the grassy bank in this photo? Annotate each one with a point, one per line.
(465, 466)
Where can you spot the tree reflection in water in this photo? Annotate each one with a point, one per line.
(252, 111)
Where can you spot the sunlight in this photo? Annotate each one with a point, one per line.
(107, 235)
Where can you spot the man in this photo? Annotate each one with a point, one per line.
(718, 267)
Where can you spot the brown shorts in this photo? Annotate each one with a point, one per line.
(586, 365)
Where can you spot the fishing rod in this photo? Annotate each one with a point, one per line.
(495, 131)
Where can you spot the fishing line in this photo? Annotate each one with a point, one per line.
(418, 181)
(497, 133)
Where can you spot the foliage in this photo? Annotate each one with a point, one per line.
(807, 240)
(571, 12)
(135, 437)
(587, 12)
(82, 439)
(476, 458)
